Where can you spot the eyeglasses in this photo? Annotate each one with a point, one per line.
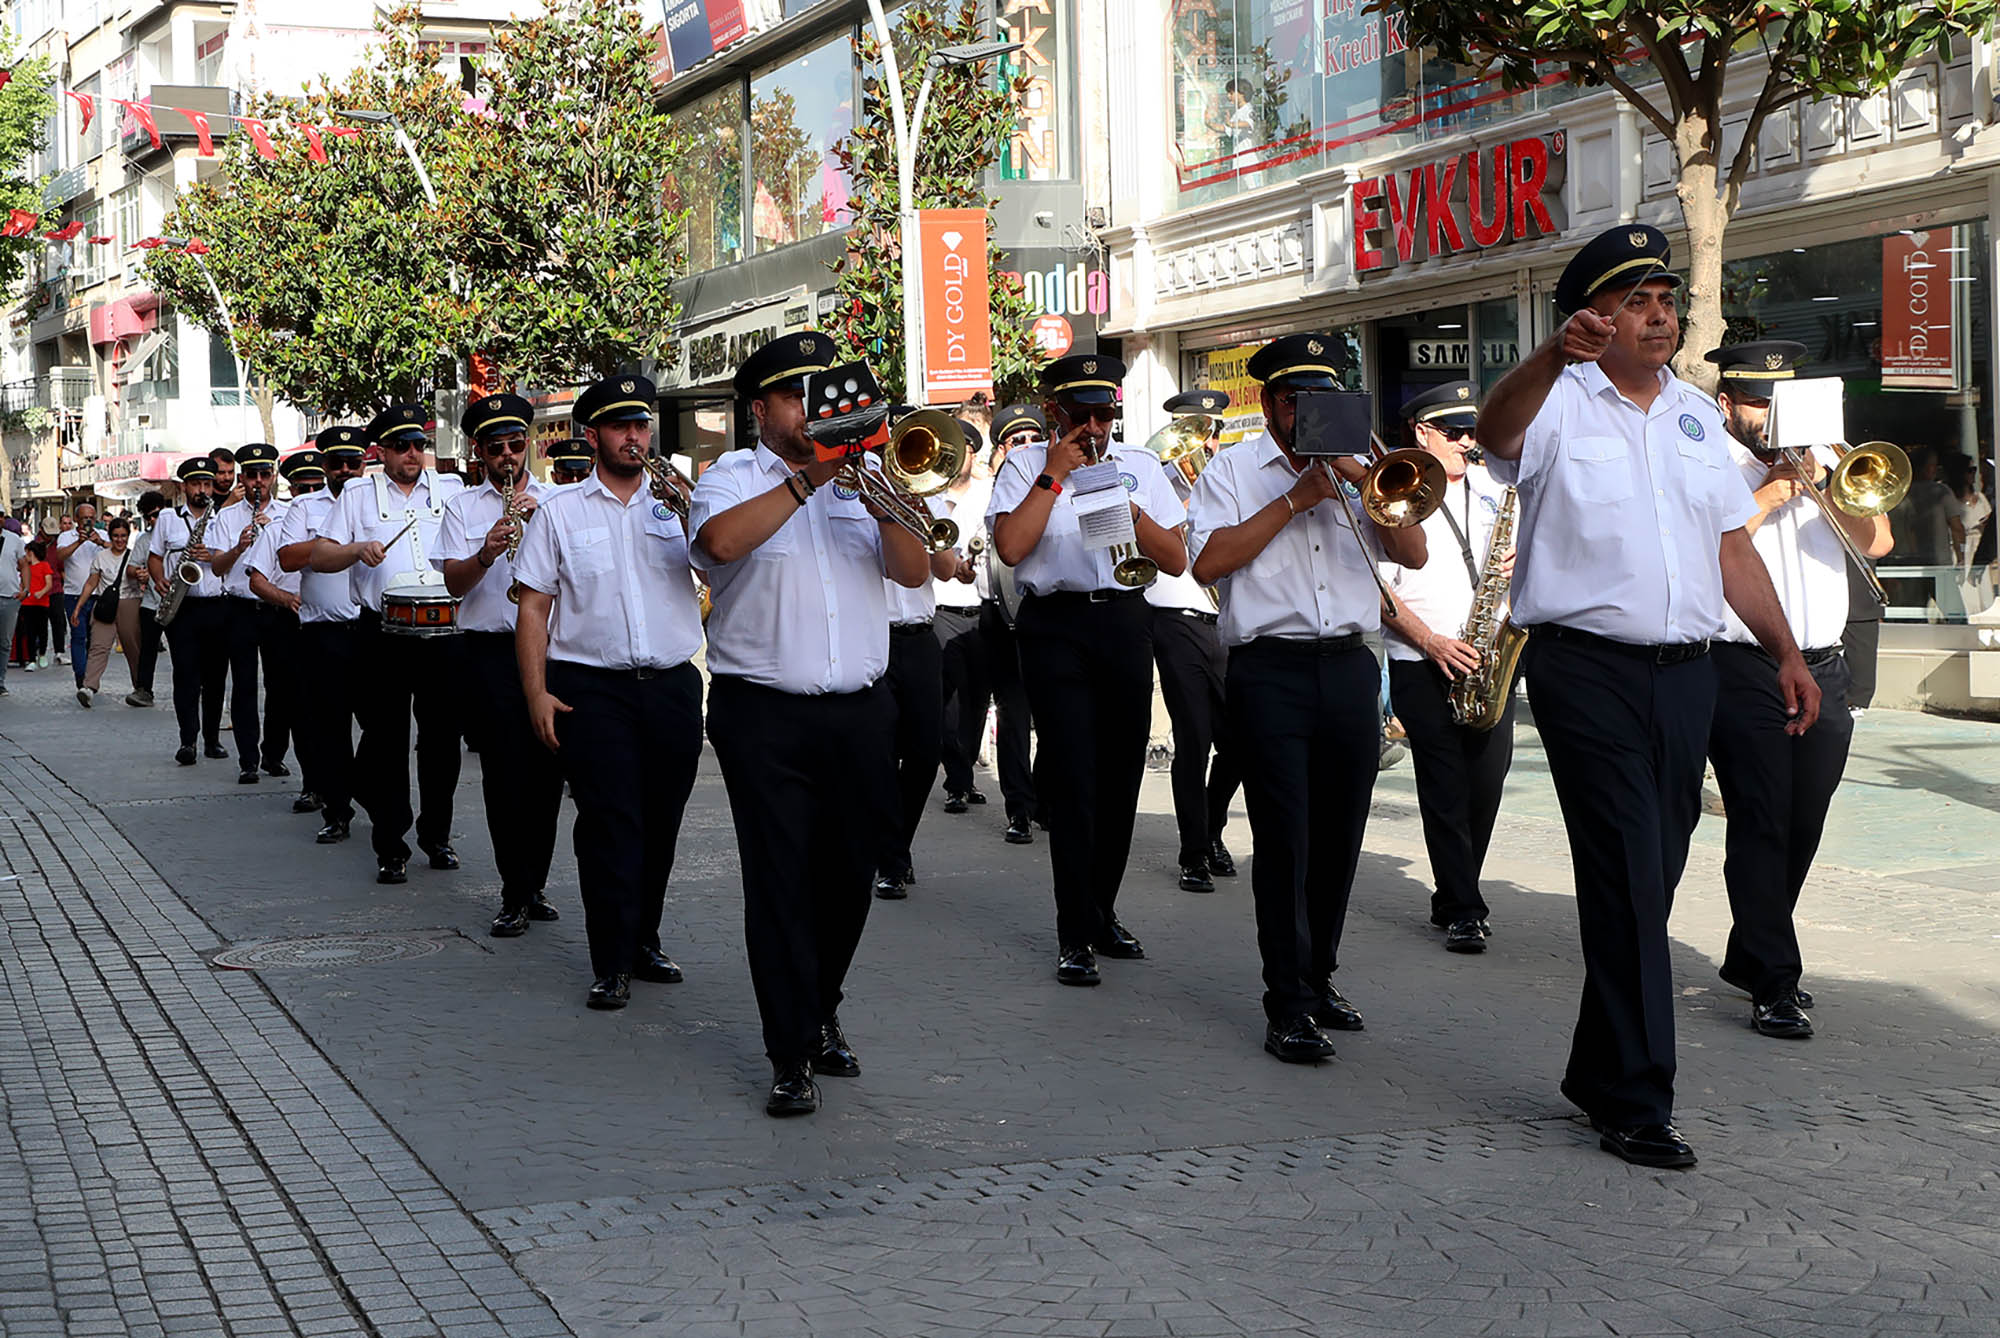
(410, 444)
(1455, 433)
(1093, 413)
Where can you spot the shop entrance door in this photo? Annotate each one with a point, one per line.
(1475, 342)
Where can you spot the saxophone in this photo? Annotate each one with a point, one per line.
(186, 572)
(1480, 698)
(510, 511)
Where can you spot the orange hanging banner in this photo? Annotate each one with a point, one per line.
(958, 319)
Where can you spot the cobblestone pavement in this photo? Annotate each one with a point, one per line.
(410, 1128)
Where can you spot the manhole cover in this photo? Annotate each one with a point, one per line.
(324, 950)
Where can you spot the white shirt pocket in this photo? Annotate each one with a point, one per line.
(587, 551)
(1600, 469)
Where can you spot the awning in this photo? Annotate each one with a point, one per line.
(113, 321)
(136, 356)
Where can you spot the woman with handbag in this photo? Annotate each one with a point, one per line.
(115, 582)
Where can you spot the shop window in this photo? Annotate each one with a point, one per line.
(222, 386)
(798, 111)
(709, 185)
(1227, 369)
(1902, 320)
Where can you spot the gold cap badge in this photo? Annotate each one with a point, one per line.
(1314, 347)
(1638, 239)
(1773, 361)
(625, 387)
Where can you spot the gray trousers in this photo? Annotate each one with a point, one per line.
(10, 613)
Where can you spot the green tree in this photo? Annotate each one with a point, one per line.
(968, 120)
(25, 104)
(1672, 60)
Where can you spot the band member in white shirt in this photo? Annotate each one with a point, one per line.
(607, 629)
(1192, 663)
(570, 461)
(197, 637)
(329, 635)
(1015, 426)
(1632, 539)
(1460, 770)
(1776, 787)
(476, 542)
(382, 527)
(916, 687)
(277, 593)
(1304, 710)
(798, 642)
(1086, 647)
(236, 528)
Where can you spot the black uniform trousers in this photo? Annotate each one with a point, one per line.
(1775, 789)
(1625, 738)
(521, 789)
(1088, 668)
(1460, 774)
(278, 650)
(330, 662)
(968, 687)
(398, 673)
(1861, 638)
(811, 783)
(150, 634)
(916, 686)
(240, 628)
(1304, 717)
(1013, 718)
(1188, 650)
(630, 745)
(198, 638)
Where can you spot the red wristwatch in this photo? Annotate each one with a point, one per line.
(1046, 482)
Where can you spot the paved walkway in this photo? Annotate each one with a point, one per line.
(413, 1129)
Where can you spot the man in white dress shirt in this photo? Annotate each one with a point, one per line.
(1086, 647)
(236, 528)
(1631, 541)
(1776, 787)
(197, 635)
(277, 593)
(1460, 770)
(798, 641)
(522, 793)
(1304, 707)
(382, 527)
(607, 630)
(570, 461)
(74, 551)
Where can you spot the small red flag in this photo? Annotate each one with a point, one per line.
(144, 116)
(20, 222)
(66, 234)
(195, 248)
(6, 77)
(315, 147)
(344, 131)
(258, 135)
(149, 243)
(204, 142)
(102, 241)
(87, 105)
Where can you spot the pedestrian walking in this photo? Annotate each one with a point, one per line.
(36, 632)
(113, 579)
(15, 569)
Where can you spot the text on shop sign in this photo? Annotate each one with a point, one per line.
(1470, 201)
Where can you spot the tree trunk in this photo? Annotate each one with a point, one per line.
(1706, 217)
(264, 398)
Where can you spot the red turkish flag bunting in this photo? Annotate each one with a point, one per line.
(70, 233)
(144, 116)
(6, 77)
(102, 241)
(85, 104)
(258, 135)
(344, 131)
(149, 243)
(20, 222)
(204, 142)
(315, 147)
(195, 248)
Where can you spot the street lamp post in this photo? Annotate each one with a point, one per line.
(908, 126)
(228, 329)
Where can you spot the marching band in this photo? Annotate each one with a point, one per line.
(1672, 587)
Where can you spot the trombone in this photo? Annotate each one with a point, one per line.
(926, 450)
(1867, 480)
(1401, 488)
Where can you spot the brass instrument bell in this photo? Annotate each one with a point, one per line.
(1183, 444)
(1870, 479)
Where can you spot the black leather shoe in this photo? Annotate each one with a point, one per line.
(276, 769)
(1077, 966)
(608, 993)
(1804, 997)
(954, 802)
(1335, 1013)
(974, 797)
(247, 776)
(307, 802)
(1781, 1017)
(890, 888)
(1019, 833)
(332, 834)
(511, 922)
(836, 1058)
(1646, 1145)
(1119, 942)
(392, 871)
(442, 855)
(655, 967)
(1298, 1041)
(184, 755)
(1464, 936)
(793, 1091)
(540, 909)
(214, 752)
(1219, 862)
(1194, 877)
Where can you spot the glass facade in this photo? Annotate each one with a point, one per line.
(798, 112)
(710, 186)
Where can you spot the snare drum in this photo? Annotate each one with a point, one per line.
(419, 610)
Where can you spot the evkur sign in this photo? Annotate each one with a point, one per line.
(1470, 201)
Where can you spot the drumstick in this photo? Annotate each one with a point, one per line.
(400, 533)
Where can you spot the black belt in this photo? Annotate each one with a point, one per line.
(1199, 615)
(957, 612)
(1084, 596)
(1678, 652)
(1814, 658)
(640, 672)
(909, 629)
(1329, 645)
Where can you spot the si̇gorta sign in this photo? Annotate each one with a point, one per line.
(1470, 201)
(958, 317)
(697, 29)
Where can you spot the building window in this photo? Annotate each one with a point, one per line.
(1901, 319)
(126, 203)
(87, 263)
(222, 387)
(798, 111)
(710, 185)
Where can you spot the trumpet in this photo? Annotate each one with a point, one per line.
(669, 485)
(1868, 480)
(925, 452)
(1400, 489)
(1130, 568)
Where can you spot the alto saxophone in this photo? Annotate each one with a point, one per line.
(186, 572)
(1479, 699)
(510, 511)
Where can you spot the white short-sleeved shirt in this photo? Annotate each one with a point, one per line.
(124, 568)
(618, 571)
(171, 535)
(1622, 511)
(371, 508)
(968, 512)
(918, 605)
(1440, 591)
(805, 611)
(228, 528)
(467, 518)
(76, 566)
(262, 559)
(1182, 591)
(324, 597)
(1807, 564)
(1059, 561)
(1312, 581)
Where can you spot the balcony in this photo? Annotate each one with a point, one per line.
(175, 128)
(65, 186)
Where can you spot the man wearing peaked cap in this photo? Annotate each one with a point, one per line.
(570, 461)
(197, 635)
(1210, 402)
(399, 423)
(966, 682)
(1776, 788)
(496, 415)
(1298, 601)
(343, 437)
(277, 590)
(1015, 426)
(802, 723)
(1626, 469)
(238, 526)
(1015, 419)
(306, 467)
(1086, 644)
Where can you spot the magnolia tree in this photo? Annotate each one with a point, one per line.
(1674, 61)
(25, 104)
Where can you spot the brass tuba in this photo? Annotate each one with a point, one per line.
(1182, 445)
